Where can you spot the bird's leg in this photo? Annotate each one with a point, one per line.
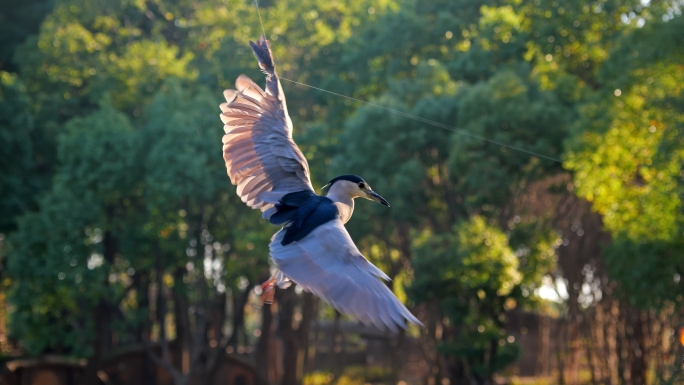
(268, 290)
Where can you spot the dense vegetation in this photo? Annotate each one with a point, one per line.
(116, 212)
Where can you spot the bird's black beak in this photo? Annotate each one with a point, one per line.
(372, 195)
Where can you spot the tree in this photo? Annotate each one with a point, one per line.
(27, 153)
(459, 271)
(111, 175)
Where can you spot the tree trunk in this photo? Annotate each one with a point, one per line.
(263, 361)
(239, 301)
(575, 344)
(286, 308)
(312, 339)
(165, 360)
(337, 346)
(622, 349)
(181, 356)
(431, 337)
(90, 377)
(542, 366)
(639, 345)
(303, 330)
(102, 317)
(218, 354)
(612, 337)
(561, 352)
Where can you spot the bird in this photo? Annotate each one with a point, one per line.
(313, 248)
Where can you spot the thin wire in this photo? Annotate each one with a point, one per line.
(432, 122)
(256, 3)
(414, 117)
(446, 127)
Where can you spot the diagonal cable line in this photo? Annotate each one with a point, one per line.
(454, 129)
(256, 3)
(432, 122)
(438, 124)
(414, 117)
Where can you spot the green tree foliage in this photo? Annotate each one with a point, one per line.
(17, 22)
(58, 258)
(628, 164)
(53, 288)
(471, 273)
(116, 201)
(26, 152)
(535, 75)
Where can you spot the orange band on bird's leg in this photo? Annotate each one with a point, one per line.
(268, 290)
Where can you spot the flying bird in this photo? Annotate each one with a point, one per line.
(313, 248)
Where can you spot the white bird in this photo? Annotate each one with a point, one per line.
(313, 248)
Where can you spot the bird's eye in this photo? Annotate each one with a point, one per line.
(362, 185)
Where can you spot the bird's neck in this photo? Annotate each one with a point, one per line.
(344, 203)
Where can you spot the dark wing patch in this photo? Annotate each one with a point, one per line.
(286, 208)
(310, 219)
(302, 212)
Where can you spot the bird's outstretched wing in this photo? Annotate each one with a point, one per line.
(328, 263)
(261, 157)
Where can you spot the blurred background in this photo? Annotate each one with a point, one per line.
(126, 257)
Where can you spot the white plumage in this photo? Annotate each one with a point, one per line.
(260, 155)
(328, 264)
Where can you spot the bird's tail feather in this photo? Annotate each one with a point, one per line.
(262, 51)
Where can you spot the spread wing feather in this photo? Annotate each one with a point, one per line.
(261, 157)
(328, 263)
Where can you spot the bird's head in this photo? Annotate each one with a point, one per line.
(354, 187)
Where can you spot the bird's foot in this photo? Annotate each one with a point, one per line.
(268, 290)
